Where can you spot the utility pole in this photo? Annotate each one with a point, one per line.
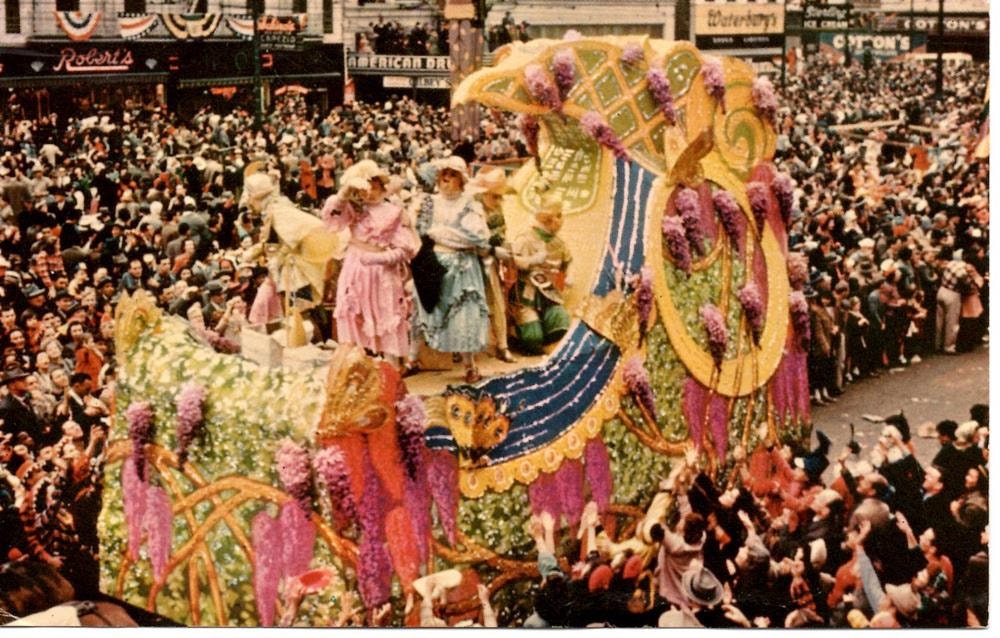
(784, 42)
(939, 77)
(847, 36)
(258, 90)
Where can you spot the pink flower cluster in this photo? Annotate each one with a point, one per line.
(632, 54)
(564, 71)
(598, 472)
(783, 191)
(729, 214)
(659, 86)
(718, 334)
(798, 270)
(677, 243)
(764, 99)
(596, 127)
(442, 478)
(688, 207)
(529, 129)
(411, 419)
(637, 381)
(293, 467)
(642, 285)
(139, 415)
(753, 308)
(158, 522)
(190, 417)
(541, 87)
(134, 502)
(715, 83)
(329, 463)
(800, 317)
(265, 536)
(374, 563)
(572, 35)
(758, 196)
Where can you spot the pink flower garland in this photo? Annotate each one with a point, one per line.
(632, 54)
(753, 308)
(265, 535)
(764, 99)
(729, 214)
(543, 494)
(783, 191)
(298, 536)
(800, 317)
(329, 463)
(642, 286)
(659, 86)
(410, 421)
(569, 480)
(374, 567)
(597, 128)
(637, 381)
(718, 334)
(541, 87)
(677, 243)
(158, 521)
(292, 462)
(598, 471)
(442, 478)
(564, 71)
(190, 417)
(134, 501)
(758, 196)
(139, 415)
(715, 84)
(529, 129)
(688, 207)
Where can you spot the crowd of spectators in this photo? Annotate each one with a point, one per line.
(892, 229)
(394, 38)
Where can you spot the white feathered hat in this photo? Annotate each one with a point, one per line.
(360, 175)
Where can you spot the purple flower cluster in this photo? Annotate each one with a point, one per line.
(569, 482)
(374, 564)
(715, 83)
(529, 129)
(783, 191)
(564, 71)
(298, 536)
(632, 54)
(293, 467)
(718, 335)
(798, 270)
(596, 127)
(158, 521)
(800, 317)
(330, 464)
(598, 469)
(637, 381)
(688, 207)
(758, 196)
(265, 536)
(659, 86)
(410, 419)
(541, 87)
(442, 477)
(764, 99)
(677, 243)
(753, 308)
(139, 415)
(190, 417)
(221, 343)
(642, 285)
(134, 502)
(572, 35)
(729, 214)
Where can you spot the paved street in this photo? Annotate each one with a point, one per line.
(935, 389)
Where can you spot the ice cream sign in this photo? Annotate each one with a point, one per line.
(94, 60)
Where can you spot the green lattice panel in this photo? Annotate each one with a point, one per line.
(633, 74)
(647, 105)
(591, 60)
(607, 88)
(583, 100)
(573, 176)
(682, 67)
(656, 137)
(522, 95)
(624, 121)
(502, 86)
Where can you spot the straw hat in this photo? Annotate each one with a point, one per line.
(454, 163)
(492, 180)
(359, 177)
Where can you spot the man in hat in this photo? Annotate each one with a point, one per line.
(492, 182)
(954, 281)
(16, 413)
(542, 259)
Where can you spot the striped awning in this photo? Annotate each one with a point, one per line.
(247, 80)
(100, 79)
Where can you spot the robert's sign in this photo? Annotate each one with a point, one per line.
(94, 60)
(367, 64)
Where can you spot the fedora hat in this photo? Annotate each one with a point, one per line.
(701, 586)
(12, 374)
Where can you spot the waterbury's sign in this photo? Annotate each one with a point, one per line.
(742, 19)
(368, 64)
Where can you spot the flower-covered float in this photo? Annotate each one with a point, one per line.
(244, 494)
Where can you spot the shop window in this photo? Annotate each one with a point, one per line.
(255, 6)
(67, 5)
(12, 11)
(134, 6)
(299, 6)
(327, 16)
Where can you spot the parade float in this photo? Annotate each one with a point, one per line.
(242, 493)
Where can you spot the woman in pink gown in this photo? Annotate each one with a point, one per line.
(372, 307)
